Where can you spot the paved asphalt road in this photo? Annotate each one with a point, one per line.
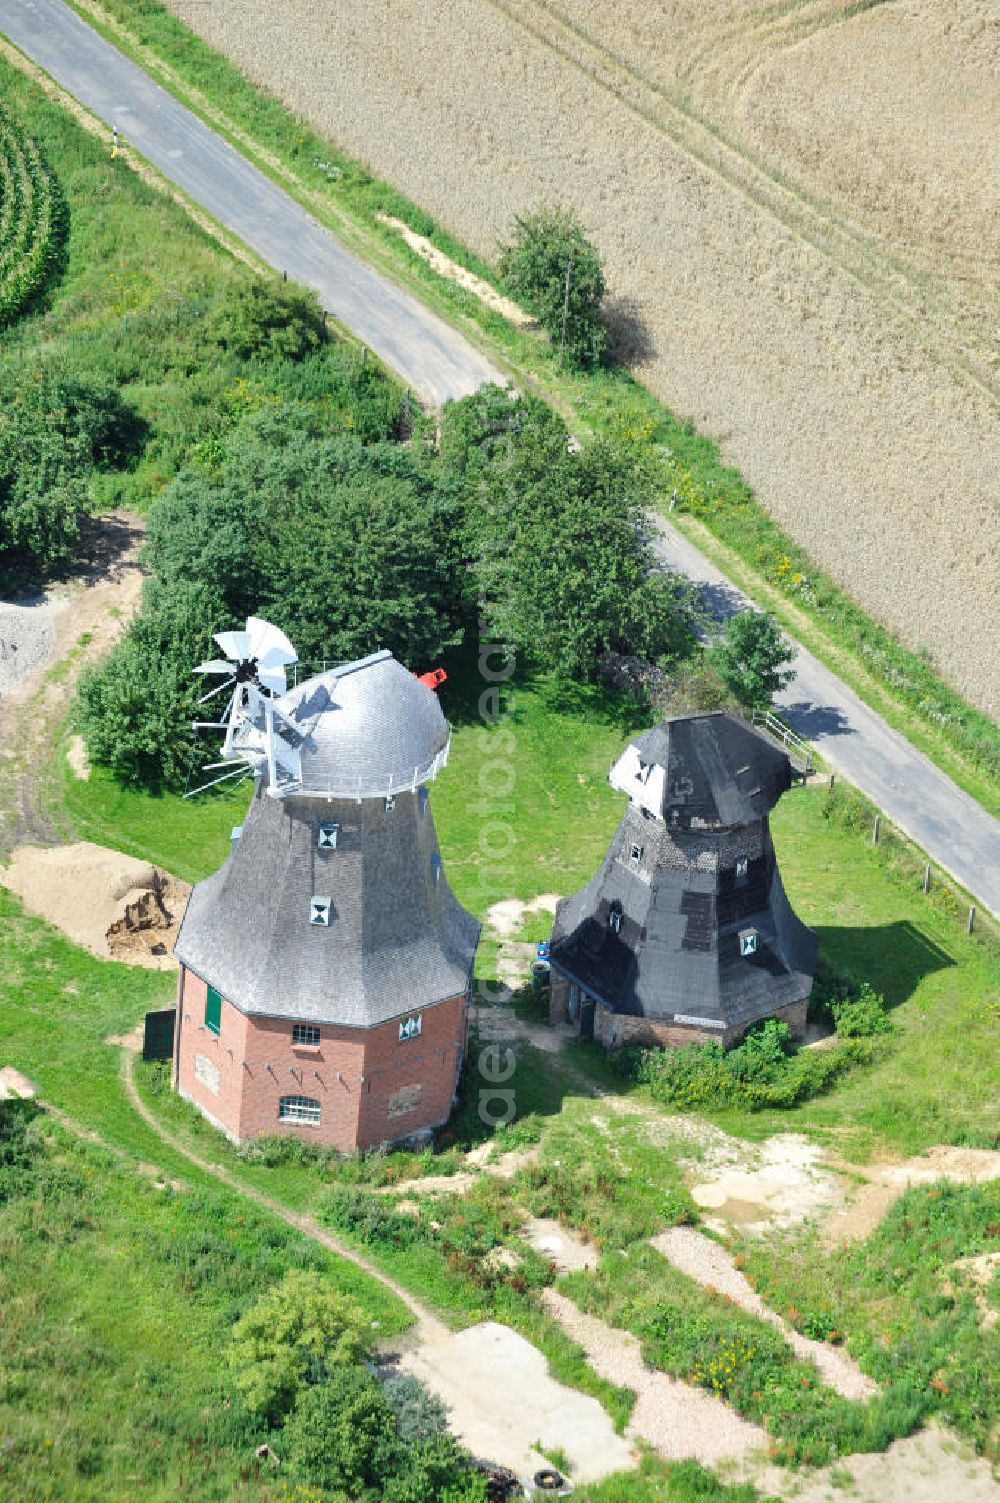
(942, 819)
(438, 363)
(433, 358)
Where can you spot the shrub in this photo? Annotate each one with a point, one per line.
(862, 1014)
(18, 1151)
(267, 318)
(419, 1413)
(340, 1433)
(54, 429)
(760, 1072)
(556, 273)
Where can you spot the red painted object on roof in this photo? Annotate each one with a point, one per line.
(434, 679)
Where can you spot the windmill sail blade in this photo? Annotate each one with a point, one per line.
(217, 665)
(268, 644)
(213, 692)
(235, 644)
(273, 679)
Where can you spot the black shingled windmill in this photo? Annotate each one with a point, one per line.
(685, 932)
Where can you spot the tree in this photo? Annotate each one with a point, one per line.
(300, 1329)
(135, 709)
(552, 269)
(555, 540)
(749, 656)
(54, 429)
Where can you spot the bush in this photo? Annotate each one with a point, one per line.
(861, 1015)
(18, 1150)
(340, 1434)
(419, 1413)
(271, 319)
(54, 429)
(556, 273)
(761, 1072)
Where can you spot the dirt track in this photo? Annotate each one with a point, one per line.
(831, 333)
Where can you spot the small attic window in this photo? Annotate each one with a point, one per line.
(327, 838)
(390, 802)
(742, 865)
(635, 854)
(748, 942)
(615, 918)
(319, 911)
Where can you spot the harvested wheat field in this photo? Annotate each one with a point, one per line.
(800, 201)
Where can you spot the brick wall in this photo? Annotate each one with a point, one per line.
(616, 1029)
(238, 1077)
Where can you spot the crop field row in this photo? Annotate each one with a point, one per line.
(32, 219)
(850, 393)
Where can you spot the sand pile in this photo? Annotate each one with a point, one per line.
(115, 906)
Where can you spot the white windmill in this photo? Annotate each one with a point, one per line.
(258, 734)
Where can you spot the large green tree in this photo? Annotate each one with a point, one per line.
(556, 539)
(551, 267)
(301, 1331)
(750, 657)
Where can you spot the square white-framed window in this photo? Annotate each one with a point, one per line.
(319, 911)
(305, 1035)
(749, 939)
(328, 835)
(635, 853)
(390, 802)
(303, 1109)
(742, 867)
(409, 1028)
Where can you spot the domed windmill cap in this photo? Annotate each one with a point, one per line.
(372, 730)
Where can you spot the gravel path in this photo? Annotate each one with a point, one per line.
(676, 1418)
(712, 1267)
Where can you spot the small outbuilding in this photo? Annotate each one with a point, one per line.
(685, 934)
(325, 967)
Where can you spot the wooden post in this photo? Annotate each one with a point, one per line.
(972, 921)
(927, 877)
(875, 830)
(833, 779)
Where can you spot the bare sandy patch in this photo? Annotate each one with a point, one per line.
(480, 1371)
(113, 905)
(677, 1419)
(565, 1250)
(930, 1467)
(780, 1182)
(446, 267)
(885, 1183)
(713, 1268)
(76, 756)
(15, 1086)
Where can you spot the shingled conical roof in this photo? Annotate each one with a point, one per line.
(703, 771)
